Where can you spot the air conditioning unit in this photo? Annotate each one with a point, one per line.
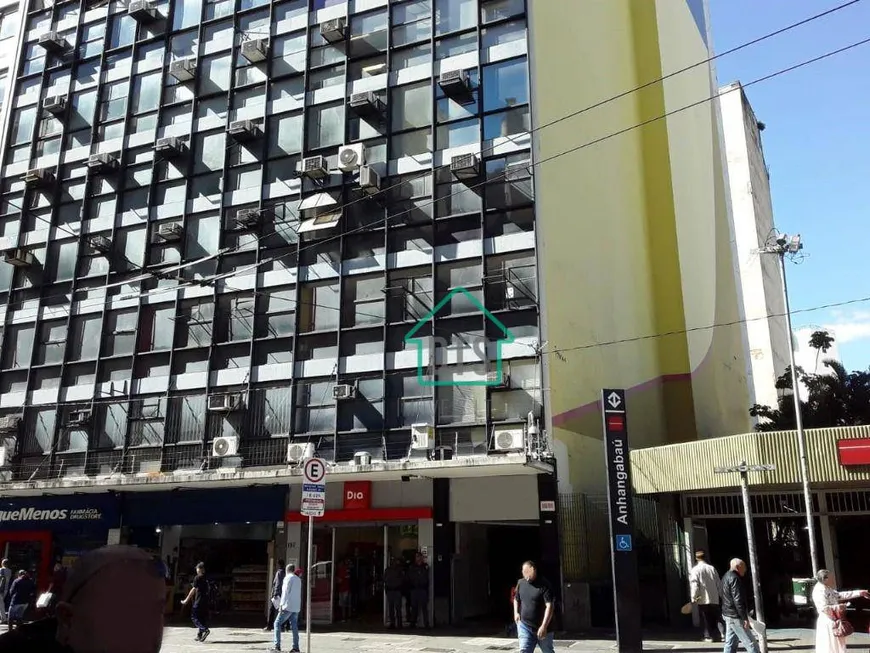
(343, 391)
(170, 146)
(369, 180)
(298, 452)
(226, 403)
(362, 458)
(170, 232)
(184, 70)
(54, 104)
(255, 50)
(334, 31)
(53, 43)
(315, 167)
(226, 445)
(102, 162)
(465, 166)
(496, 380)
(100, 244)
(508, 439)
(454, 83)
(244, 130)
(247, 218)
(39, 177)
(79, 418)
(422, 437)
(9, 423)
(351, 157)
(20, 258)
(142, 11)
(366, 104)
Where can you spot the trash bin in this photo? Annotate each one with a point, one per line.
(802, 589)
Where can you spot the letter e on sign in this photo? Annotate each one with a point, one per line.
(314, 471)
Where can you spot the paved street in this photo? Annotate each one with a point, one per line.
(180, 640)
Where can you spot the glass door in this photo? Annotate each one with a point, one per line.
(30, 552)
(321, 572)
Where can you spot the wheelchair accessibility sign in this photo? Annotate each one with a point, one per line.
(623, 543)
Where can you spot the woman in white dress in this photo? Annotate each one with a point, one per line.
(828, 602)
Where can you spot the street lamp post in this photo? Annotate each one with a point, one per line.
(792, 245)
(743, 469)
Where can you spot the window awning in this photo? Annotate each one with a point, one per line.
(318, 201)
(324, 221)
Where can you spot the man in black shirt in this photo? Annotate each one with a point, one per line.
(199, 595)
(533, 610)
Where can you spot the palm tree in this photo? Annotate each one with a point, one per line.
(821, 341)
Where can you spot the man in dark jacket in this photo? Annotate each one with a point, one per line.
(394, 580)
(277, 584)
(21, 598)
(418, 576)
(735, 610)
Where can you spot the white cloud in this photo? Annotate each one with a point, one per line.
(850, 326)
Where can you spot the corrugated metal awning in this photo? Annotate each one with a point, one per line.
(318, 201)
(688, 467)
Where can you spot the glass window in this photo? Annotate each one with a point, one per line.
(120, 333)
(454, 15)
(367, 300)
(215, 76)
(456, 134)
(18, 346)
(218, 9)
(114, 101)
(493, 10)
(415, 56)
(277, 313)
(218, 37)
(412, 22)
(368, 32)
(411, 143)
(9, 25)
(514, 30)
(186, 13)
(325, 126)
(319, 307)
(325, 77)
(22, 126)
(411, 106)
(93, 39)
(63, 260)
(4, 84)
(123, 31)
(505, 84)
(285, 134)
(52, 339)
(506, 123)
(146, 92)
(364, 68)
(456, 45)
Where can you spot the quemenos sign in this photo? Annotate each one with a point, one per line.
(33, 514)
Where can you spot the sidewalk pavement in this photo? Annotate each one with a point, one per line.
(227, 640)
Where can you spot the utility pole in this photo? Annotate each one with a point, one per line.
(743, 469)
(792, 245)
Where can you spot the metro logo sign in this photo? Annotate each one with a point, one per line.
(357, 495)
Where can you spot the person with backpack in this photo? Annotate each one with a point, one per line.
(200, 595)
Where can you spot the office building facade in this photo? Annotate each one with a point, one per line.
(238, 235)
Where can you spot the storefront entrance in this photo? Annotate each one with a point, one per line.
(348, 568)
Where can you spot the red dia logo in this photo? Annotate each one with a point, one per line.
(357, 495)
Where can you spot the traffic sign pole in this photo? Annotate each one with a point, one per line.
(313, 505)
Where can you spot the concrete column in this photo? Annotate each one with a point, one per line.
(830, 559)
(426, 543)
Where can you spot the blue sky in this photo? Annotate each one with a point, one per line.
(817, 146)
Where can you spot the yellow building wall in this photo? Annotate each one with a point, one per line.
(616, 231)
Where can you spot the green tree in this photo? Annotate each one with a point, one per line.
(821, 341)
(836, 398)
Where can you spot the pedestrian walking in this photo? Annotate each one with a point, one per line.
(394, 580)
(534, 603)
(275, 597)
(289, 608)
(418, 576)
(200, 596)
(832, 628)
(735, 610)
(21, 598)
(704, 583)
(5, 586)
